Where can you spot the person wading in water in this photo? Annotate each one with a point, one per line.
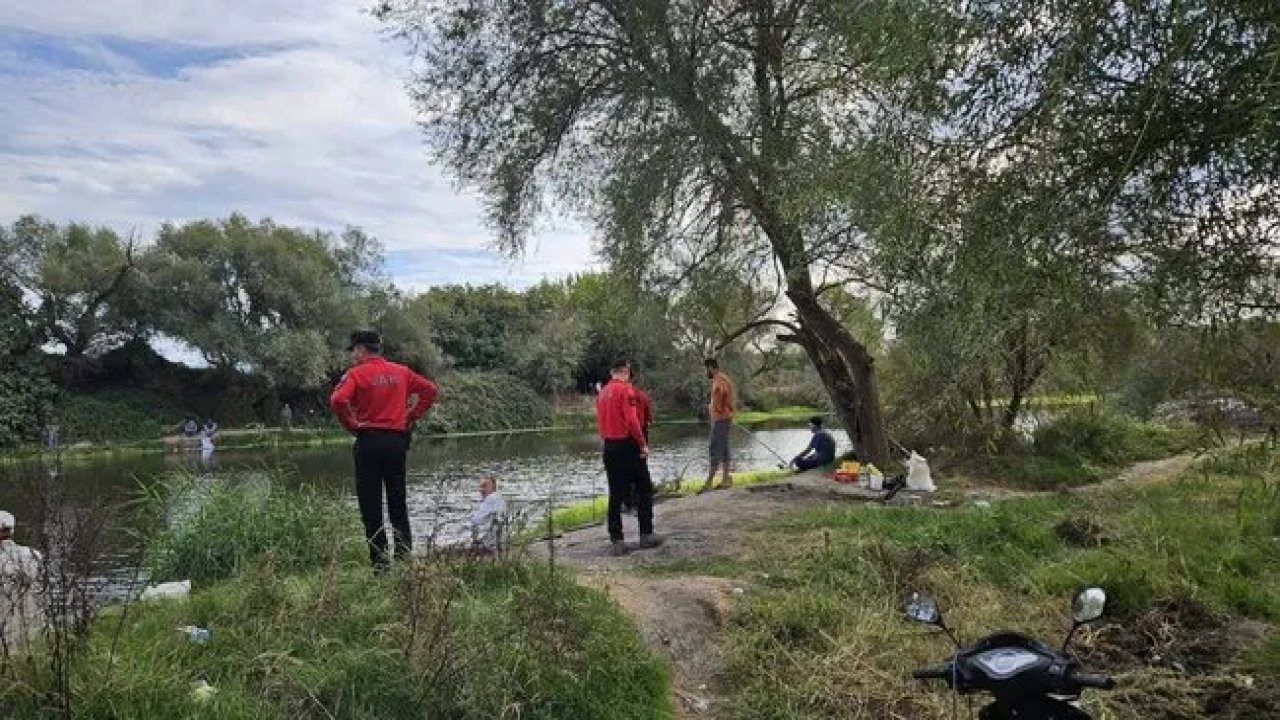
(379, 401)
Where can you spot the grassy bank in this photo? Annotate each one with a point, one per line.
(585, 513)
(300, 628)
(1084, 445)
(1190, 565)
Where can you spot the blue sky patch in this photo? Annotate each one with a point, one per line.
(113, 54)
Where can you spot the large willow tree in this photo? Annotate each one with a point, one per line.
(693, 133)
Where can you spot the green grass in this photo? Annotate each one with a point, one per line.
(585, 513)
(1084, 446)
(819, 633)
(441, 638)
(217, 527)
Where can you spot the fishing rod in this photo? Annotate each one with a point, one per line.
(783, 463)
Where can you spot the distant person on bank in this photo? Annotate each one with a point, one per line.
(488, 521)
(625, 453)
(19, 586)
(378, 401)
(286, 417)
(821, 450)
(720, 411)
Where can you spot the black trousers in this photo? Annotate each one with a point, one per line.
(380, 462)
(813, 461)
(628, 477)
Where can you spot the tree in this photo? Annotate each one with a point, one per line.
(255, 296)
(406, 327)
(77, 276)
(26, 395)
(688, 129)
(477, 328)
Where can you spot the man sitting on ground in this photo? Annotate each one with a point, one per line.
(489, 519)
(821, 450)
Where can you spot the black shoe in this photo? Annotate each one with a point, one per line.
(618, 548)
(650, 541)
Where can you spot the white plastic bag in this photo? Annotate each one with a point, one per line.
(918, 477)
(168, 591)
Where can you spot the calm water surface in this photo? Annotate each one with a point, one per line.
(533, 471)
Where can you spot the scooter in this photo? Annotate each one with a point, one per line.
(1027, 679)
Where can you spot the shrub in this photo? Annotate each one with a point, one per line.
(1108, 438)
(117, 414)
(217, 528)
(475, 401)
(26, 396)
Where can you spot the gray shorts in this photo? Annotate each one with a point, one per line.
(719, 444)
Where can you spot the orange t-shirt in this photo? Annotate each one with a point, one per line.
(723, 403)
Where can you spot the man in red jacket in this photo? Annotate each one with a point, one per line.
(625, 453)
(379, 401)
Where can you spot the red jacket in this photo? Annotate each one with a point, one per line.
(374, 395)
(618, 412)
(644, 407)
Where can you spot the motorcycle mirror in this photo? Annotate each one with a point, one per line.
(922, 609)
(1088, 605)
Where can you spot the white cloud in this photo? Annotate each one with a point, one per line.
(301, 115)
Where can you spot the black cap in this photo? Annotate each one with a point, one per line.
(367, 338)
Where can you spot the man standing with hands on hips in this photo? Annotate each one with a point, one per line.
(378, 401)
(625, 453)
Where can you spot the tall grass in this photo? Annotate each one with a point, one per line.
(1085, 445)
(819, 633)
(216, 527)
(299, 632)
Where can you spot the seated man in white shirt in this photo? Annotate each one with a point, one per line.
(488, 522)
(19, 586)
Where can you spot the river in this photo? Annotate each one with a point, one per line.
(533, 470)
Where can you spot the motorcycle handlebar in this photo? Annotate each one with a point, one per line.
(933, 672)
(1101, 682)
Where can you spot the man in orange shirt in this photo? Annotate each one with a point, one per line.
(720, 412)
(379, 401)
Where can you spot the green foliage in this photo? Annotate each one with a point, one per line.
(82, 278)
(1105, 437)
(116, 414)
(1083, 445)
(219, 528)
(474, 401)
(820, 632)
(258, 294)
(26, 393)
(300, 635)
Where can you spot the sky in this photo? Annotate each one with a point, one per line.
(130, 113)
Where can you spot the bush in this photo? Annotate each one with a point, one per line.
(218, 528)
(117, 414)
(476, 401)
(26, 396)
(1107, 438)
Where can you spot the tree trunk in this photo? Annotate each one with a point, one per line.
(848, 373)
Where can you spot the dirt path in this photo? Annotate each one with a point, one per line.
(681, 617)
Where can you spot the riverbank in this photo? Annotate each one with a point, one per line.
(299, 626)
(782, 600)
